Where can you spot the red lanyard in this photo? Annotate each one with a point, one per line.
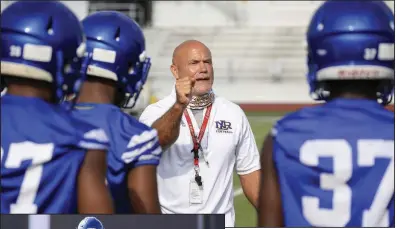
(197, 140)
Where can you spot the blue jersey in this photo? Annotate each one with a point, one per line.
(42, 149)
(132, 144)
(335, 164)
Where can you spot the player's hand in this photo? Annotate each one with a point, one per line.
(184, 88)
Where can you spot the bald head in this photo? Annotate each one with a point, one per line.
(193, 59)
(183, 49)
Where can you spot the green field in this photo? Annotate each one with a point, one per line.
(261, 124)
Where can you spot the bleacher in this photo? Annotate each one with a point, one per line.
(245, 57)
(267, 54)
(255, 53)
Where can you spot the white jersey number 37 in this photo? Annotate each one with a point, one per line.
(341, 152)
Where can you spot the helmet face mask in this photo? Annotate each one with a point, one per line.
(43, 45)
(351, 41)
(116, 51)
(136, 79)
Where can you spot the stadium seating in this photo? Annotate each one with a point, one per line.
(245, 57)
(256, 53)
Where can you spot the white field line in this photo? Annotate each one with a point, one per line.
(238, 192)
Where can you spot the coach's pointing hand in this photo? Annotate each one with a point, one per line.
(184, 87)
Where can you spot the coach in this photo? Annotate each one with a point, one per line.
(204, 137)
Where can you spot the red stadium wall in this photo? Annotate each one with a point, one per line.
(281, 107)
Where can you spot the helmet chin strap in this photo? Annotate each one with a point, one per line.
(201, 102)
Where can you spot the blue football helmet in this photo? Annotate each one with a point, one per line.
(42, 40)
(116, 51)
(351, 40)
(90, 223)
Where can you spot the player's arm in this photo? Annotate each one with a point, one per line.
(142, 189)
(270, 208)
(93, 194)
(141, 159)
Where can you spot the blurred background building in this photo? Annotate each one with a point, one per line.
(258, 47)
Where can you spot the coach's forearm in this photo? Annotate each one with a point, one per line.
(167, 126)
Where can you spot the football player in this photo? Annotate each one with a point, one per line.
(50, 163)
(117, 70)
(332, 165)
(90, 223)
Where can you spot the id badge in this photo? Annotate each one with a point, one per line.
(195, 193)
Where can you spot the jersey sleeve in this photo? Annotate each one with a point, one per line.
(138, 144)
(248, 159)
(90, 137)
